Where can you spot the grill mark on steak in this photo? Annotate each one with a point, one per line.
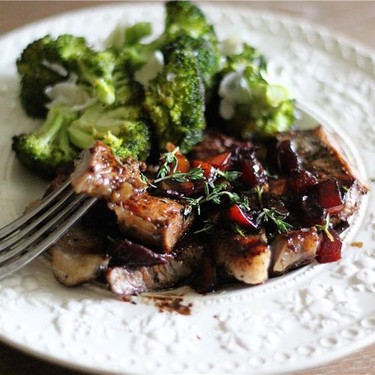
(244, 258)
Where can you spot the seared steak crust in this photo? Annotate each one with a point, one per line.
(244, 258)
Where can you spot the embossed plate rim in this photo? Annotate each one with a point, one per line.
(72, 314)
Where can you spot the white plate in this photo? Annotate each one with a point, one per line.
(303, 319)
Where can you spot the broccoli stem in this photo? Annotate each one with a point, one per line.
(80, 138)
(56, 123)
(105, 92)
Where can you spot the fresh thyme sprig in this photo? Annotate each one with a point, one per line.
(325, 227)
(259, 192)
(195, 174)
(208, 227)
(239, 230)
(170, 163)
(214, 193)
(229, 175)
(145, 179)
(168, 171)
(274, 216)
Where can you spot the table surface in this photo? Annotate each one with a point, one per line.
(354, 19)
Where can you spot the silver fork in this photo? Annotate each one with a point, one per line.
(25, 238)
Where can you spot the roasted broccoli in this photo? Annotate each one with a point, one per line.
(36, 75)
(249, 104)
(122, 128)
(127, 44)
(89, 96)
(133, 92)
(175, 102)
(47, 61)
(185, 27)
(49, 147)
(208, 56)
(184, 17)
(249, 57)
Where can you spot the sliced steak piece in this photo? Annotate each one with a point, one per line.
(100, 174)
(78, 256)
(246, 259)
(135, 280)
(156, 221)
(293, 249)
(320, 155)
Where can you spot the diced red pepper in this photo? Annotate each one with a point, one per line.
(238, 216)
(208, 169)
(329, 196)
(220, 161)
(330, 248)
(183, 164)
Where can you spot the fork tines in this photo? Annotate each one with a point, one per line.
(25, 238)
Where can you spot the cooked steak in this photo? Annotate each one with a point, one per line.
(269, 217)
(153, 220)
(100, 174)
(182, 265)
(294, 249)
(319, 154)
(78, 256)
(244, 258)
(156, 221)
(215, 143)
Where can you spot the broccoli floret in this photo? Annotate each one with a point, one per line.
(131, 53)
(48, 148)
(208, 56)
(137, 55)
(185, 27)
(134, 34)
(46, 61)
(249, 104)
(123, 129)
(184, 17)
(175, 102)
(250, 57)
(128, 91)
(266, 111)
(37, 73)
